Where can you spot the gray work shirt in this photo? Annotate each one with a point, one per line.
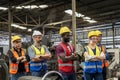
(32, 53)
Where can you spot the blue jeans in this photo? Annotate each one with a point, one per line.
(39, 74)
(69, 77)
(16, 76)
(93, 76)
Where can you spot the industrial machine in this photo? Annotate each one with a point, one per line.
(4, 75)
(51, 75)
(114, 67)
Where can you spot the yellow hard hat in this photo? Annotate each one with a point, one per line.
(14, 38)
(98, 32)
(92, 33)
(64, 30)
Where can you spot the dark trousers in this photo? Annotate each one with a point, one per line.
(104, 72)
(69, 77)
(93, 76)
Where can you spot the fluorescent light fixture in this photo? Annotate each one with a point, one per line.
(86, 18)
(3, 8)
(18, 26)
(91, 21)
(29, 30)
(69, 11)
(19, 7)
(32, 6)
(43, 6)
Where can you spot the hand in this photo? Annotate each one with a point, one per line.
(40, 57)
(20, 58)
(74, 57)
(24, 57)
(24, 60)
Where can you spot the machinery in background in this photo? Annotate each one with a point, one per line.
(51, 75)
(4, 74)
(114, 67)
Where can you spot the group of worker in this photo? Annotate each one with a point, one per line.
(94, 53)
(34, 59)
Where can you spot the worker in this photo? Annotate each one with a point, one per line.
(93, 59)
(105, 61)
(39, 54)
(19, 65)
(66, 55)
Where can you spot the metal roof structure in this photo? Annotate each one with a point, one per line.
(53, 16)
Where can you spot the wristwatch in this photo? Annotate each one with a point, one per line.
(40, 56)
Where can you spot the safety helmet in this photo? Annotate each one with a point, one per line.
(92, 33)
(64, 30)
(16, 37)
(36, 33)
(98, 32)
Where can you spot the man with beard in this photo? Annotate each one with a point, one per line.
(39, 54)
(66, 55)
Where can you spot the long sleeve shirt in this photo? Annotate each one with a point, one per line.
(12, 59)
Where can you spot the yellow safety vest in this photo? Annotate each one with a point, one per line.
(38, 66)
(93, 66)
(91, 53)
(39, 51)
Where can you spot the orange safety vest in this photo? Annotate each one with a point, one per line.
(66, 66)
(14, 66)
(105, 63)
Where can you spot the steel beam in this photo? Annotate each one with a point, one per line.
(9, 24)
(33, 19)
(19, 19)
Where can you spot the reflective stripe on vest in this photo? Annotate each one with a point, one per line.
(14, 66)
(67, 66)
(93, 66)
(37, 66)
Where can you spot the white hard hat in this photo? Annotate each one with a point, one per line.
(36, 33)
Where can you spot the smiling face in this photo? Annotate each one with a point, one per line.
(93, 40)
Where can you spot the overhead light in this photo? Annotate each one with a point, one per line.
(88, 19)
(19, 7)
(29, 30)
(43, 6)
(69, 11)
(3, 8)
(18, 26)
(91, 21)
(32, 6)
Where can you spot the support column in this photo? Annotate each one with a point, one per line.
(113, 29)
(74, 27)
(9, 23)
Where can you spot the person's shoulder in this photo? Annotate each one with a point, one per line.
(59, 46)
(30, 46)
